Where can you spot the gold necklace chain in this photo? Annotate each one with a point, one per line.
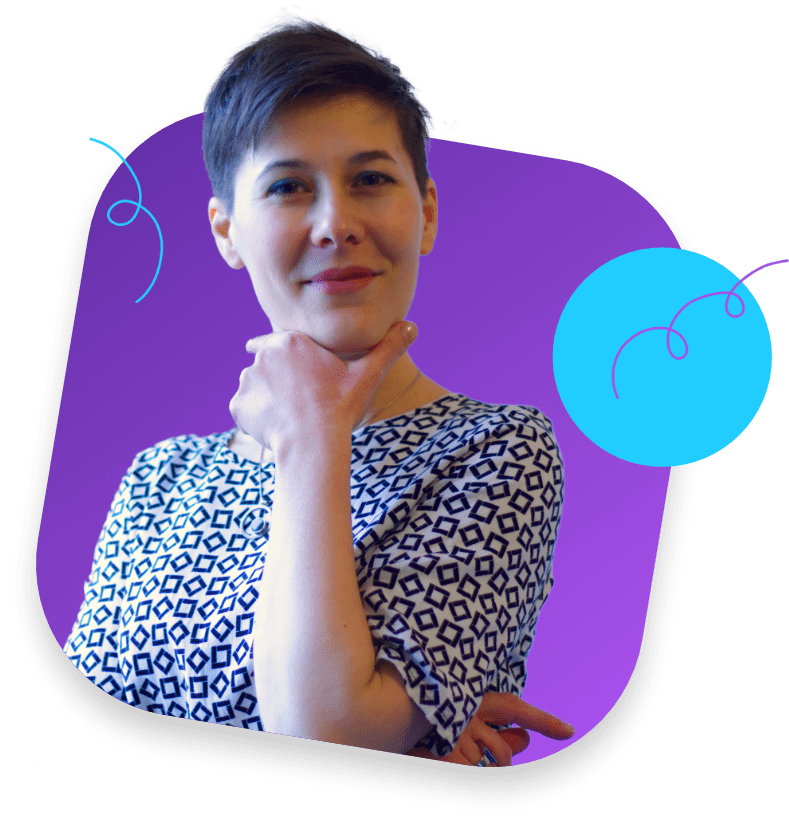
(381, 411)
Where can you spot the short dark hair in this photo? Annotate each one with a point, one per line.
(290, 62)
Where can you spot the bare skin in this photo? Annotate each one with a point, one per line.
(423, 392)
(500, 709)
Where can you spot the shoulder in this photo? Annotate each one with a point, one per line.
(484, 430)
(502, 418)
(177, 454)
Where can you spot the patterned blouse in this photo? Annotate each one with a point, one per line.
(455, 509)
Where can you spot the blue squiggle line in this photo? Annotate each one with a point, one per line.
(139, 206)
(671, 330)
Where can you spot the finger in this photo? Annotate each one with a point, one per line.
(455, 756)
(488, 739)
(382, 357)
(493, 742)
(426, 754)
(503, 708)
(516, 739)
(468, 747)
(254, 345)
(235, 411)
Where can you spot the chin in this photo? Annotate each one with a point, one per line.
(349, 350)
(351, 346)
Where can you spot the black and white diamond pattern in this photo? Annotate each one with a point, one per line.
(455, 512)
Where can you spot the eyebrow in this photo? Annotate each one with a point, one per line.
(358, 159)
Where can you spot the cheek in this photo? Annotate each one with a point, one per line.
(276, 245)
(402, 234)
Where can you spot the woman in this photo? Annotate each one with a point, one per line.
(381, 545)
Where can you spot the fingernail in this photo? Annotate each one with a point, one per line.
(409, 333)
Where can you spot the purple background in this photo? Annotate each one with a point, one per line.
(517, 235)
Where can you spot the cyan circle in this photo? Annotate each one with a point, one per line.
(671, 410)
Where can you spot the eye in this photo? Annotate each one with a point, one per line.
(283, 188)
(373, 179)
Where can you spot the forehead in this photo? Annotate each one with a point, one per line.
(338, 124)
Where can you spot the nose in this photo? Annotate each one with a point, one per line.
(336, 221)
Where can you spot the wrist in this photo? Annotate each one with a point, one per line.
(327, 445)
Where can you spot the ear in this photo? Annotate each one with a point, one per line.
(221, 229)
(429, 218)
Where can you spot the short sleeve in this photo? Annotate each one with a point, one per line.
(97, 638)
(453, 593)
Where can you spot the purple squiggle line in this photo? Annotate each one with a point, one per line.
(670, 328)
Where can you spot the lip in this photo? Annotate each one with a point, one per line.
(341, 275)
(354, 284)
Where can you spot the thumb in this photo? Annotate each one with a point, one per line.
(517, 739)
(401, 336)
(395, 343)
(409, 332)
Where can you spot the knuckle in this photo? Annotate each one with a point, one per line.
(292, 339)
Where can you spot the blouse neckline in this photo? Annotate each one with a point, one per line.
(225, 437)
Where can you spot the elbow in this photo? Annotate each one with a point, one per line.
(377, 715)
(346, 723)
(311, 715)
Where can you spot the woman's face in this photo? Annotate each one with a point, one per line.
(329, 221)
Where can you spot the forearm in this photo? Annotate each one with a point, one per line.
(314, 657)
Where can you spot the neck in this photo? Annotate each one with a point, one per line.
(394, 395)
